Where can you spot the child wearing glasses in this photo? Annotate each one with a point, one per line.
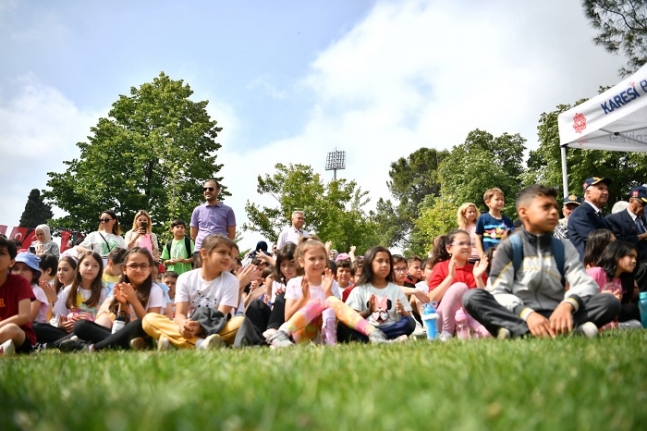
(133, 297)
(451, 277)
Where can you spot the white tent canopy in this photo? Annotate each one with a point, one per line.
(615, 120)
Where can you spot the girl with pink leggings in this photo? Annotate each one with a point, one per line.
(451, 277)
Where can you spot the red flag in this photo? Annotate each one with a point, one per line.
(23, 234)
(65, 240)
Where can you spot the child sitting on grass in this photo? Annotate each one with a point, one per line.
(204, 298)
(306, 298)
(532, 298)
(16, 295)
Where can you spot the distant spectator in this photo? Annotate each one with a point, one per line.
(588, 216)
(570, 203)
(106, 238)
(141, 234)
(492, 227)
(212, 217)
(295, 232)
(466, 219)
(44, 243)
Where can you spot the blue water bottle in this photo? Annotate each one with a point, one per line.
(642, 306)
(430, 317)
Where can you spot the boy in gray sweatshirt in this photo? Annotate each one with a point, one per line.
(533, 298)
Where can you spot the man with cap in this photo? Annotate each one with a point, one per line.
(570, 203)
(588, 216)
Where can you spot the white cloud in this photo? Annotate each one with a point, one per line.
(39, 128)
(417, 73)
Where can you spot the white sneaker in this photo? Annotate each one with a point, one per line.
(163, 344)
(280, 339)
(419, 332)
(445, 336)
(138, 343)
(268, 334)
(7, 348)
(588, 329)
(630, 324)
(503, 334)
(213, 341)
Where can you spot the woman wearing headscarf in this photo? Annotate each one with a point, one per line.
(44, 243)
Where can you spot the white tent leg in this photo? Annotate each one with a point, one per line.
(564, 171)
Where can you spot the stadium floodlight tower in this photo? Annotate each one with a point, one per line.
(336, 160)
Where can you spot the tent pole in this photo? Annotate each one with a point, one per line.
(564, 171)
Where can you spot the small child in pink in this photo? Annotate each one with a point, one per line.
(618, 258)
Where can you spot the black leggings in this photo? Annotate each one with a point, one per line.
(46, 333)
(103, 338)
(262, 317)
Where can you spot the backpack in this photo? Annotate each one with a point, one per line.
(558, 253)
(187, 244)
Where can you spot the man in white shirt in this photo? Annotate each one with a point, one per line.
(295, 232)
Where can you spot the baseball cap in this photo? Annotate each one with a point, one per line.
(595, 180)
(342, 256)
(572, 199)
(29, 259)
(639, 193)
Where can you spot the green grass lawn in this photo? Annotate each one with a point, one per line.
(562, 384)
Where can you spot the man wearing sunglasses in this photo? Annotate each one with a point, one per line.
(212, 217)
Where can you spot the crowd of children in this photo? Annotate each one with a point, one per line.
(503, 282)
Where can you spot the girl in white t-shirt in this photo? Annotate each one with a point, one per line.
(133, 296)
(81, 299)
(306, 298)
(203, 299)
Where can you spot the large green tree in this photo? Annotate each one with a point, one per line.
(37, 211)
(437, 217)
(333, 210)
(152, 152)
(483, 161)
(412, 180)
(622, 28)
(627, 170)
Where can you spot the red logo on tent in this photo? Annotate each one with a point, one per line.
(579, 122)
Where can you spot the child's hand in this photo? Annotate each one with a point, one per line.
(305, 287)
(191, 329)
(66, 324)
(249, 273)
(561, 320)
(480, 267)
(352, 249)
(328, 244)
(398, 307)
(326, 284)
(451, 269)
(421, 296)
(617, 295)
(49, 290)
(539, 326)
(371, 303)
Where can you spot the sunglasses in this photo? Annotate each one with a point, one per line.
(204, 189)
(105, 220)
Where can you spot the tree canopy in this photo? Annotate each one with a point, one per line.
(333, 210)
(36, 212)
(152, 152)
(622, 27)
(412, 180)
(482, 162)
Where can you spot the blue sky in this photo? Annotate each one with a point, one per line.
(291, 80)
